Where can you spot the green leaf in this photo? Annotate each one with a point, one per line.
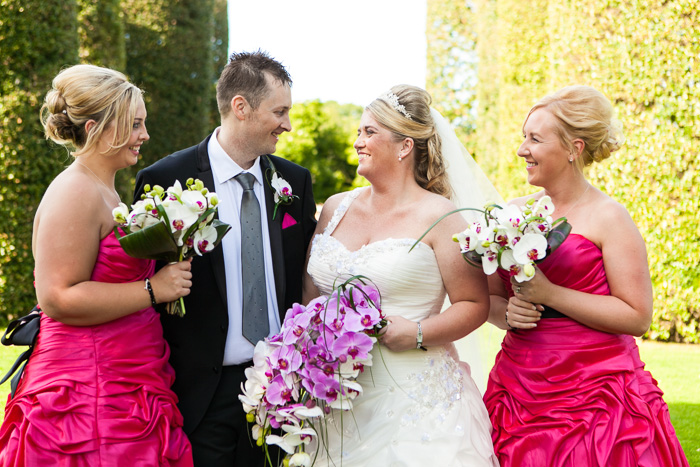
(153, 242)
(557, 236)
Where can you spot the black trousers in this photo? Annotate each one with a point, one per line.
(223, 438)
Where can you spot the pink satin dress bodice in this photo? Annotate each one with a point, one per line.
(98, 395)
(564, 394)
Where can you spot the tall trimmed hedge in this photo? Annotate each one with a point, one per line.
(166, 47)
(37, 38)
(170, 55)
(644, 57)
(451, 75)
(101, 33)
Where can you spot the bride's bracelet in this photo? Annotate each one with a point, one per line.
(419, 338)
(150, 292)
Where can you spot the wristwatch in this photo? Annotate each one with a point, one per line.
(419, 338)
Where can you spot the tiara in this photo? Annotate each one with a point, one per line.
(394, 101)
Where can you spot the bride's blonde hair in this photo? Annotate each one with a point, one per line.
(408, 116)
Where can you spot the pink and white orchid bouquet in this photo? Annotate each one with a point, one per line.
(171, 225)
(513, 238)
(311, 367)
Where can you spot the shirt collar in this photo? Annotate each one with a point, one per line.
(223, 167)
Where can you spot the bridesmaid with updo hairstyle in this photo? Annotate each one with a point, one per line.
(568, 387)
(96, 389)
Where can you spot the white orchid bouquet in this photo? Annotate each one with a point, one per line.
(311, 367)
(513, 238)
(171, 225)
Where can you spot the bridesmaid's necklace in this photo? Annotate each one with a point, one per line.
(99, 179)
(576, 202)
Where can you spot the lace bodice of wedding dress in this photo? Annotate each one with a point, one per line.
(417, 407)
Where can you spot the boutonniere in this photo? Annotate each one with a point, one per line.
(281, 187)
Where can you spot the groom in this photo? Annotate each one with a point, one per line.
(209, 350)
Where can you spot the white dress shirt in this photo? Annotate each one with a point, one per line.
(238, 349)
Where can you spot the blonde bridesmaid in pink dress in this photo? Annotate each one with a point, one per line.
(568, 387)
(96, 390)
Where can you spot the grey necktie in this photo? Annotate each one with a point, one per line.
(255, 320)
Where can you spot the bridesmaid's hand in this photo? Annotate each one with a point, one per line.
(172, 282)
(521, 314)
(399, 334)
(536, 290)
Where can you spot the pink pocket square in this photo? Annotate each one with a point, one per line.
(288, 221)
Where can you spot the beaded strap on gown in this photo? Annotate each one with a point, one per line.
(416, 408)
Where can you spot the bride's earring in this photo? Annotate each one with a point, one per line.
(400, 158)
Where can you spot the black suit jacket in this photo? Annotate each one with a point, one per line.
(197, 340)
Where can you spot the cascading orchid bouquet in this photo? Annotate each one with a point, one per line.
(171, 225)
(311, 367)
(513, 238)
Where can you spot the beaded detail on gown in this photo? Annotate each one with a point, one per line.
(417, 407)
(563, 394)
(98, 395)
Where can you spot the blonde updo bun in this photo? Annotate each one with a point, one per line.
(58, 125)
(584, 113)
(86, 92)
(429, 167)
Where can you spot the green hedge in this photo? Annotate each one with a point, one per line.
(37, 38)
(644, 57)
(170, 54)
(174, 50)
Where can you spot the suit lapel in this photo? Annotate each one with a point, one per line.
(275, 230)
(207, 177)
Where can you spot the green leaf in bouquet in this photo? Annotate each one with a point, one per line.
(222, 229)
(557, 236)
(473, 258)
(153, 242)
(191, 230)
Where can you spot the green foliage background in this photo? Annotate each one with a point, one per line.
(172, 49)
(321, 140)
(644, 56)
(36, 39)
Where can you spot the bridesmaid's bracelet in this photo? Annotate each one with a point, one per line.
(419, 338)
(508, 324)
(150, 291)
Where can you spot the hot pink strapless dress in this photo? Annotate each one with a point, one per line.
(98, 395)
(563, 394)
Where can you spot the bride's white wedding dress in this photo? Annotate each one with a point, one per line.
(417, 407)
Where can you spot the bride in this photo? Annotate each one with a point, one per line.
(419, 405)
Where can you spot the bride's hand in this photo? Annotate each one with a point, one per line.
(399, 334)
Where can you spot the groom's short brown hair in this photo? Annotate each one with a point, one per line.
(245, 75)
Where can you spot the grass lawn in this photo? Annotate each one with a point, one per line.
(675, 366)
